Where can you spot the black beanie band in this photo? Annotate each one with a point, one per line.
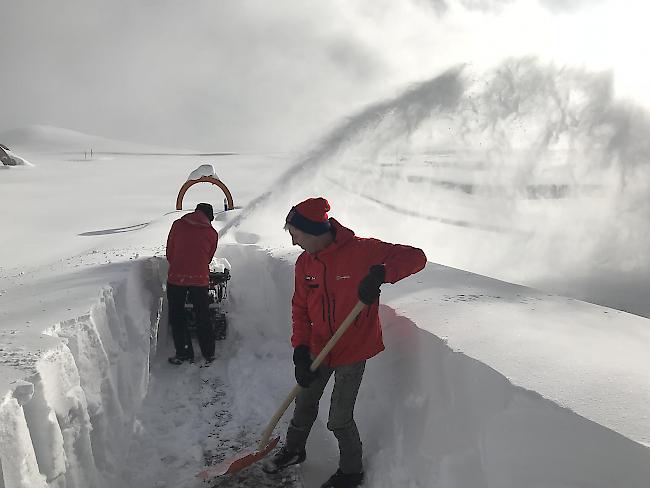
(306, 225)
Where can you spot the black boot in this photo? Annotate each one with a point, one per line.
(282, 459)
(180, 359)
(343, 480)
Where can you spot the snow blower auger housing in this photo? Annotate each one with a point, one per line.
(218, 293)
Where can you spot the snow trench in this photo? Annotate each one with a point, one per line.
(428, 416)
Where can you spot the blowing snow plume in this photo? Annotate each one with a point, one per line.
(529, 173)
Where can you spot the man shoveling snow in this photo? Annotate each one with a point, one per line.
(335, 270)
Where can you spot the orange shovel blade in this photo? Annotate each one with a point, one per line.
(240, 462)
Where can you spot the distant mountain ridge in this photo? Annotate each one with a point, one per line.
(56, 139)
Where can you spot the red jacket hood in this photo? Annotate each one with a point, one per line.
(197, 218)
(342, 236)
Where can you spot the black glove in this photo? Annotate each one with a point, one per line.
(302, 360)
(369, 286)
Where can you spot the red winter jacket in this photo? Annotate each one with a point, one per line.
(191, 244)
(326, 291)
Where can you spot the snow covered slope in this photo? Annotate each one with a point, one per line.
(44, 138)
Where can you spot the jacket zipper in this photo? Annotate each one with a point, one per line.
(327, 298)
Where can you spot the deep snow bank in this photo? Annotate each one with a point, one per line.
(70, 424)
(434, 417)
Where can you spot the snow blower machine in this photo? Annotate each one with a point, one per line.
(218, 293)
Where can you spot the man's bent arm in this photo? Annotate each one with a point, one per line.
(400, 260)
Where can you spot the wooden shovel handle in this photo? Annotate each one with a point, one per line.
(314, 365)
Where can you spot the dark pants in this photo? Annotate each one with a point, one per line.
(347, 380)
(199, 298)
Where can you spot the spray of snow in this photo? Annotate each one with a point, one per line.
(527, 172)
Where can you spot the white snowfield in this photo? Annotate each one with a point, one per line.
(483, 384)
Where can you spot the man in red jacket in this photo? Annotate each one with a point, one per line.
(191, 244)
(335, 270)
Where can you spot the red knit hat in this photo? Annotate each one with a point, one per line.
(310, 216)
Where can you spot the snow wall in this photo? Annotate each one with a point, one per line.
(70, 424)
(429, 416)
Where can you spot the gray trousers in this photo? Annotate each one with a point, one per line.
(347, 380)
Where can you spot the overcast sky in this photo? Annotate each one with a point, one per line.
(255, 75)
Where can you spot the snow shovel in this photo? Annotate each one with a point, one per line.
(265, 446)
